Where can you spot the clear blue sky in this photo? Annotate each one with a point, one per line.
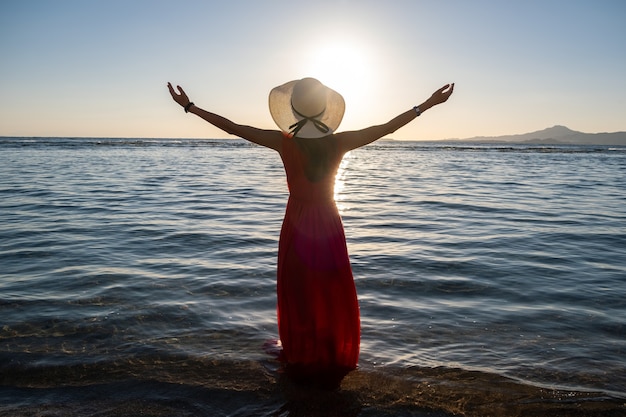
(100, 68)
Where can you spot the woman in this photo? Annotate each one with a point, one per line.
(318, 313)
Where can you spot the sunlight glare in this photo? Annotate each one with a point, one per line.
(340, 180)
(343, 66)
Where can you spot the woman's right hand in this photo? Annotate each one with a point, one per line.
(180, 97)
(438, 97)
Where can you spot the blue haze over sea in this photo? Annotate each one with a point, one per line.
(139, 274)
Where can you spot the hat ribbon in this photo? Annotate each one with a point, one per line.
(295, 128)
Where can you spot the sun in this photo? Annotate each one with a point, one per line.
(343, 66)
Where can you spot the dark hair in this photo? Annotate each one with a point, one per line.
(319, 154)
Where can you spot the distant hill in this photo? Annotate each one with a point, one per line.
(556, 135)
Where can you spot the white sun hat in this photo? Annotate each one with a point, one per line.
(306, 108)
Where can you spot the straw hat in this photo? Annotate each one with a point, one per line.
(306, 108)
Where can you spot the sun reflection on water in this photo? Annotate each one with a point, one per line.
(340, 183)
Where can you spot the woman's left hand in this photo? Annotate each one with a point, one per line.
(181, 97)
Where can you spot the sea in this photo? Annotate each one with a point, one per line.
(138, 278)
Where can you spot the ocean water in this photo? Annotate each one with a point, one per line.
(137, 277)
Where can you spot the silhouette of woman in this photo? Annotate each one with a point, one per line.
(318, 312)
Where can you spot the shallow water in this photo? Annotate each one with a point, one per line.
(140, 274)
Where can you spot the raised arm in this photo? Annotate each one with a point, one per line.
(268, 138)
(355, 139)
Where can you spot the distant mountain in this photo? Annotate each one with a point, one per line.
(556, 135)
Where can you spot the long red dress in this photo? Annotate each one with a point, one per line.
(318, 312)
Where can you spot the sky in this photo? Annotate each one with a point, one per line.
(92, 68)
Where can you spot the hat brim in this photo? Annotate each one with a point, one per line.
(284, 115)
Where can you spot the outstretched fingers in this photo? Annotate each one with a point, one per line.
(172, 92)
(180, 97)
(448, 87)
(181, 92)
(443, 93)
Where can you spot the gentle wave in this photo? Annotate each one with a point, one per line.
(178, 385)
(383, 145)
(152, 262)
